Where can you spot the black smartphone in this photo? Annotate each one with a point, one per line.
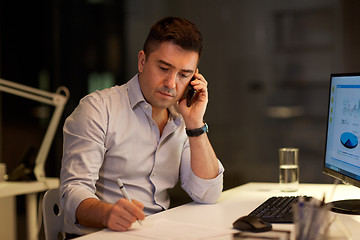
(190, 93)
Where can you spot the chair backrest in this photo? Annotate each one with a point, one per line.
(52, 214)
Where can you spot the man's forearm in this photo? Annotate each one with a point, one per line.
(204, 162)
(93, 213)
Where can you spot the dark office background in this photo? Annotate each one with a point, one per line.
(267, 63)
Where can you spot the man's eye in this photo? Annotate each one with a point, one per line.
(164, 69)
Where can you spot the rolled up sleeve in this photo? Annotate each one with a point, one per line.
(200, 190)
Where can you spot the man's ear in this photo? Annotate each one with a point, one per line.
(141, 60)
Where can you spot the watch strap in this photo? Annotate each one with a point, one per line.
(197, 131)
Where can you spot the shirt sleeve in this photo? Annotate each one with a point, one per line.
(200, 190)
(83, 152)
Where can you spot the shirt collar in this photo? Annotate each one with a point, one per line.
(134, 91)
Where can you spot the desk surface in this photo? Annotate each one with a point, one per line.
(238, 202)
(9, 189)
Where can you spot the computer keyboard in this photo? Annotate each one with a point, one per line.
(277, 209)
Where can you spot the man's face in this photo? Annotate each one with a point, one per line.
(165, 73)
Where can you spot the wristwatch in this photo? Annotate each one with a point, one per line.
(197, 131)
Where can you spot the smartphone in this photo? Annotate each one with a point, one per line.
(190, 93)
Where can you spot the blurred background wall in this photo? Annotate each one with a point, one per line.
(267, 63)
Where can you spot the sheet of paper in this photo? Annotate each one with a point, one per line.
(165, 229)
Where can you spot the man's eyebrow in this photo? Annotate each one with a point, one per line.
(171, 66)
(166, 63)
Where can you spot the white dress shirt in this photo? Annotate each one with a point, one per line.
(110, 135)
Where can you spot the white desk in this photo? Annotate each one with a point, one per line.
(8, 193)
(240, 201)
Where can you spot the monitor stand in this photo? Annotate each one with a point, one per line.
(348, 206)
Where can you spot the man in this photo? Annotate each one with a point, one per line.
(143, 133)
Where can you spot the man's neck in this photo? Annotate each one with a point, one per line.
(160, 116)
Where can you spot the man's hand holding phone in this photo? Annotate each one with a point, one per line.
(193, 105)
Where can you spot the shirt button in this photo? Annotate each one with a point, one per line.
(153, 174)
(147, 106)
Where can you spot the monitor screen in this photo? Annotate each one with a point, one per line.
(342, 153)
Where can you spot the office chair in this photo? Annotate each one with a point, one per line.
(53, 215)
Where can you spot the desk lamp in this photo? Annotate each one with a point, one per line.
(57, 99)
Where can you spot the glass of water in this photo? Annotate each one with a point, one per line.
(289, 169)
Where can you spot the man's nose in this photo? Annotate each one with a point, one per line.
(170, 81)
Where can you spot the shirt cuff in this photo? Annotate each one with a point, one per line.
(74, 198)
(206, 190)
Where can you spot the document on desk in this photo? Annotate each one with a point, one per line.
(163, 229)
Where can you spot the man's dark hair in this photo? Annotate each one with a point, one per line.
(180, 31)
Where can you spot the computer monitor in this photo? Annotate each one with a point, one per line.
(342, 152)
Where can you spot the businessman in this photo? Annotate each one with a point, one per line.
(143, 132)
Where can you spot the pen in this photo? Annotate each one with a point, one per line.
(124, 192)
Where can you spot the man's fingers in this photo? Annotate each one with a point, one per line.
(134, 208)
(138, 204)
(119, 219)
(124, 214)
